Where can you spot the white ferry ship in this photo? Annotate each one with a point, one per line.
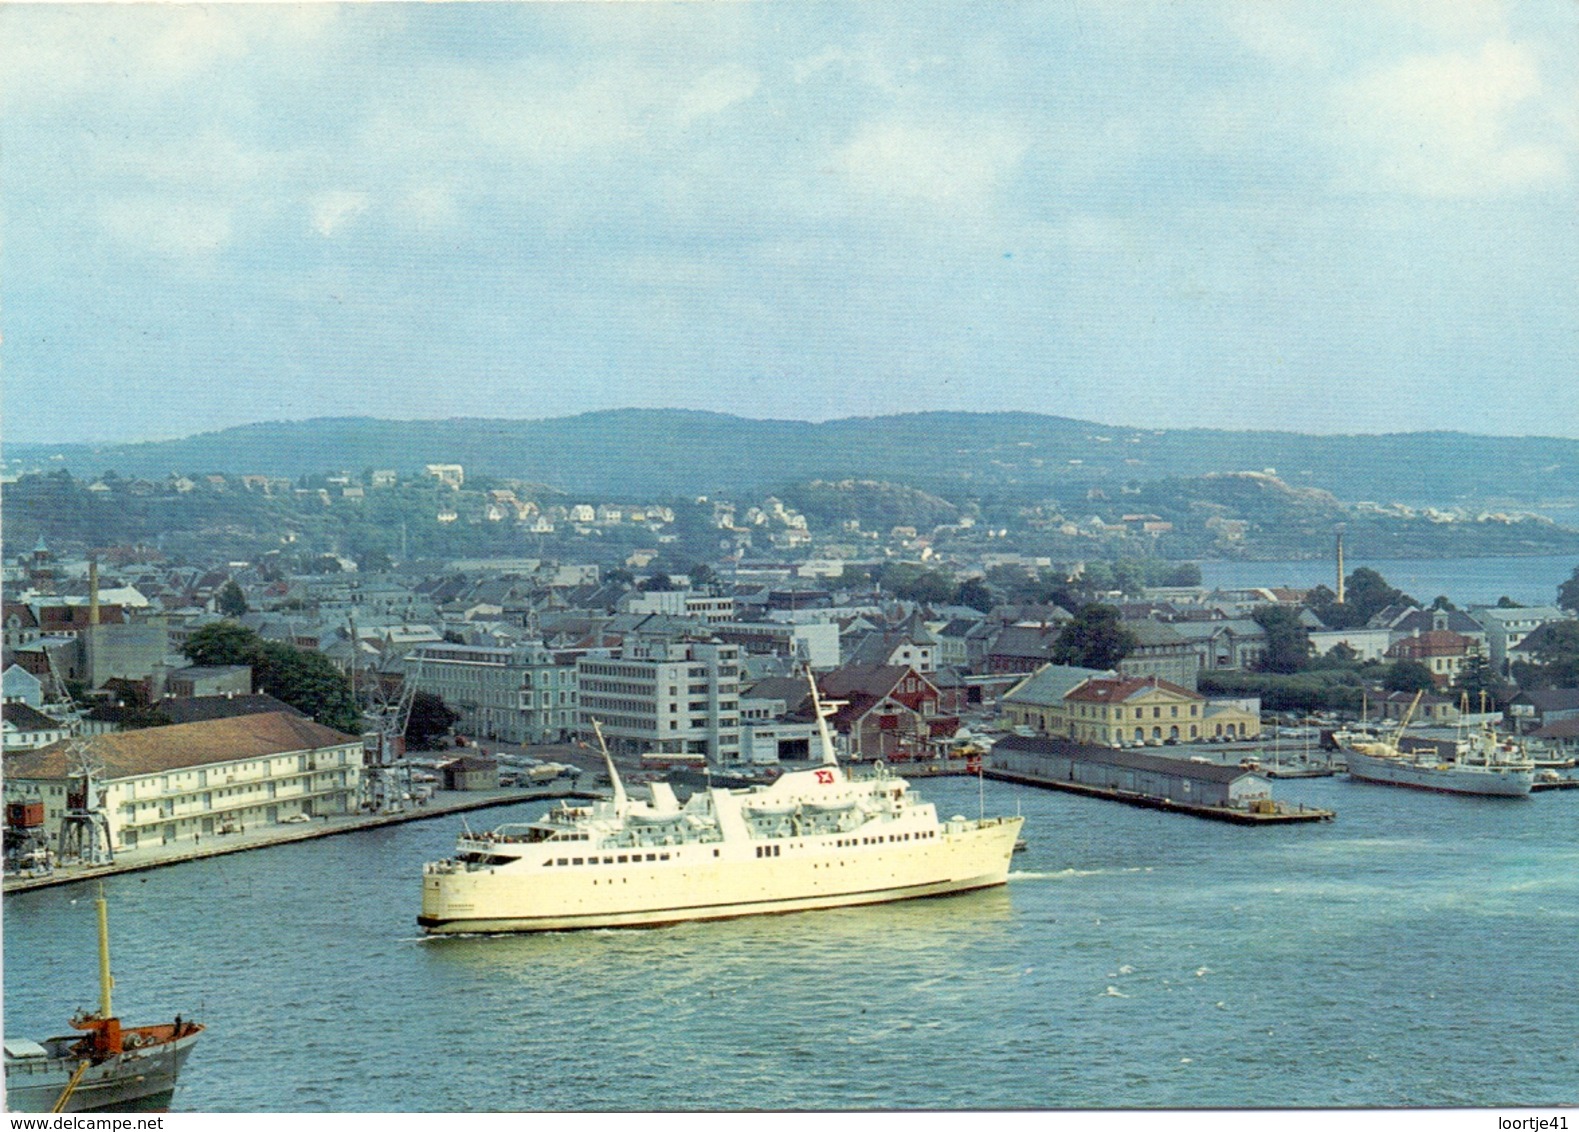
(814, 838)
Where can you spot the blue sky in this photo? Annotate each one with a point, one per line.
(1350, 217)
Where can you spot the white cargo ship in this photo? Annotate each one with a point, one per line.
(1483, 763)
(814, 838)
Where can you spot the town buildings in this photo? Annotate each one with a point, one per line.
(166, 784)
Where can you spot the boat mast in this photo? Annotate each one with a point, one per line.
(828, 756)
(106, 980)
(620, 804)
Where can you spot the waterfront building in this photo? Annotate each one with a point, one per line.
(1133, 772)
(1124, 711)
(167, 784)
(1037, 701)
(887, 710)
(1537, 708)
(665, 696)
(515, 693)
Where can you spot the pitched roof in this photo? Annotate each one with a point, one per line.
(1135, 760)
(1550, 699)
(25, 718)
(1100, 691)
(156, 750)
(1050, 683)
(196, 709)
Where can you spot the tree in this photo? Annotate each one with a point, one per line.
(1441, 602)
(1506, 602)
(308, 681)
(1568, 593)
(658, 583)
(230, 601)
(1556, 657)
(1366, 593)
(702, 576)
(1477, 679)
(1095, 638)
(974, 593)
(221, 643)
(431, 719)
(1288, 642)
(1408, 676)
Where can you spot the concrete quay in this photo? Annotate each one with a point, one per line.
(441, 804)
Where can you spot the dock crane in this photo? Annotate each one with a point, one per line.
(386, 776)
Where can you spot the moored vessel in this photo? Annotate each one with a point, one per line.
(108, 1067)
(814, 838)
(1483, 764)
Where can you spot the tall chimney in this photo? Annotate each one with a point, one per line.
(1340, 567)
(93, 591)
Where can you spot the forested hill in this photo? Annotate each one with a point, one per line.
(648, 452)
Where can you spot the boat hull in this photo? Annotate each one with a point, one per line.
(141, 1080)
(697, 885)
(1494, 783)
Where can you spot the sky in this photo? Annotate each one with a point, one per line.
(1320, 217)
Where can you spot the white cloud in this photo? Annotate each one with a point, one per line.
(1449, 125)
(333, 210)
(931, 164)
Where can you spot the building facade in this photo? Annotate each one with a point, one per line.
(517, 693)
(163, 785)
(665, 697)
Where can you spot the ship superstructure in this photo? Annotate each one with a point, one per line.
(814, 838)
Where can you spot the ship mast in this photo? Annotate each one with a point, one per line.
(828, 756)
(106, 980)
(620, 802)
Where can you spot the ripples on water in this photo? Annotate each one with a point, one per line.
(1417, 951)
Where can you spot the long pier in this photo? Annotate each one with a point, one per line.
(262, 837)
(1280, 814)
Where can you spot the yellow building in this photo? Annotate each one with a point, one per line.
(1124, 712)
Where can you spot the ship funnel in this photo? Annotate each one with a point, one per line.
(828, 756)
(620, 804)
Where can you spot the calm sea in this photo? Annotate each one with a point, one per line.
(1418, 951)
(1467, 581)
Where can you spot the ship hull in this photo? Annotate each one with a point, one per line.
(141, 1080)
(697, 885)
(1446, 779)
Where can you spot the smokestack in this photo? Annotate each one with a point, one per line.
(1340, 567)
(93, 591)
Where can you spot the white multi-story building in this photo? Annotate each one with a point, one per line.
(163, 785)
(1507, 628)
(516, 693)
(665, 697)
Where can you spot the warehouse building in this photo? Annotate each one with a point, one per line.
(1131, 772)
(166, 784)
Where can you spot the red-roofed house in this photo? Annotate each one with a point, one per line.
(1441, 650)
(1107, 712)
(888, 711)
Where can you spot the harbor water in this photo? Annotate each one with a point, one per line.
(1417, 951)
(1467, 581)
